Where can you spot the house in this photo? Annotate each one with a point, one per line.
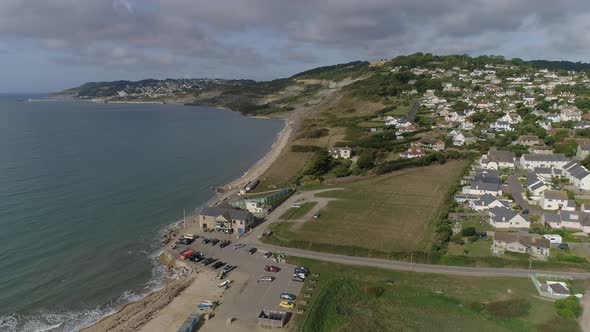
(487, 202)
(464, 138)
(499, 125)
(556, 288)
(529, 140)
(582, 125)
(502, 217)
(224, 218)
(567, 219)
(583, 151)
(432, 144)
(465, 198)
(340, 152)
(530, 161)
(535, 186)
(541, 149)
(577, 174)
(570, 113)
(257, 208)
(553, 199)
(496, 159)
(413, 152)
(536, 246)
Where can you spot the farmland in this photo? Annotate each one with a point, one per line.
(365, 299)
(394, 212)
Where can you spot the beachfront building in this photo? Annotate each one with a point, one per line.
(225, 218)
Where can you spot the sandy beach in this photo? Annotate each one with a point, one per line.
(166, 309)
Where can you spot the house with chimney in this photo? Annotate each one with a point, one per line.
(536, 246)
(505, 218)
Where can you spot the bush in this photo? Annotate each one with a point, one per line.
(468, 231)
(316, 133)
(508, 308)
(569, 307)
(457, 239)
(305, 148)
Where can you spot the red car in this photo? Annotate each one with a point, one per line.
(271, 268)
(186, 254)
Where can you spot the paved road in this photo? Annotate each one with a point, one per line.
(253, 239)
(516, 190)
(415, 107)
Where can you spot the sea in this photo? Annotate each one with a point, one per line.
(87, 188)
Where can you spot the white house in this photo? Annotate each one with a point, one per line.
(531, 161)
(553, 199)
(536, 246)
(535, 186)
(502, 217)
(577, 174)
(495, 159)
(501, 126)
(343, 152)
(487, 202)
(568, 219)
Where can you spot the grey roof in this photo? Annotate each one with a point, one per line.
(524, 239)
(584, 147)
(502, 214)
(545, 157)
(555, 194)
(229, 213)
(574, 216)
(551, 218)
(537, 185)
(488, 199)
(500, 156)
(478, 185)
(570, 203)
(487, 176)
(558, 289)
(576, 170)
(547, 171)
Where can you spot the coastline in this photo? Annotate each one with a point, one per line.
(134, 316)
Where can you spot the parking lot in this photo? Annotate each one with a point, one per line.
(247, 296)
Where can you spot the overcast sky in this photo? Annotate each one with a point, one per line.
(49, 45)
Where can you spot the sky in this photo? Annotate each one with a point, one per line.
(48, 46)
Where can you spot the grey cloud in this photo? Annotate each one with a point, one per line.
(164, 33)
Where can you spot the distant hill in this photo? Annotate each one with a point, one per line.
(560, 65)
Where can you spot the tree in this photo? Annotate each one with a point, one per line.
(366, 160)
(468, 231)
(319, 164)
(569, 307)
(569, 148)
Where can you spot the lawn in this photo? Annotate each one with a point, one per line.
(349, 298)
(479, 248)
(297, 213)
(394, 212)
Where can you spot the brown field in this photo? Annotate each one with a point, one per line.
(389, 213)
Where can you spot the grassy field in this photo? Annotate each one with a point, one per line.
(479, 248)
(296, 213)
(351, 298)
(392, 212)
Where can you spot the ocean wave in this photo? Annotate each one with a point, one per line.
(53, 321)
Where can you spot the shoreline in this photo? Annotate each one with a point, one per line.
(134, 315)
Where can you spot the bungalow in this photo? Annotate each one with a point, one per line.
(432, 144)
(465, 198)
(567, 219)
(502, 217)
(530, 161)
(340, 152)
(225, 217)
(577, 174)
(529, 140)
(413, 152)
(556, 288)
(495, 159)
(406, 129)
(538, 247)
(553, 199)
(487, 202)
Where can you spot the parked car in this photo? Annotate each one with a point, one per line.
(288, 296)
(224, 284)
(213, 242)
(186, 254)
(302, 269)
(195, 256)
(189, 236)
(300, 275)
(315, 216)
(206, 240)
(184, 241)
(218, 265)
(238, 246)
(267, 278)
(297, 278)
(224, 243)
(208, 261)
(268, 255)
(228, 268)
(563, 246)
(270, 268)
(252, 251)
(287, 304)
